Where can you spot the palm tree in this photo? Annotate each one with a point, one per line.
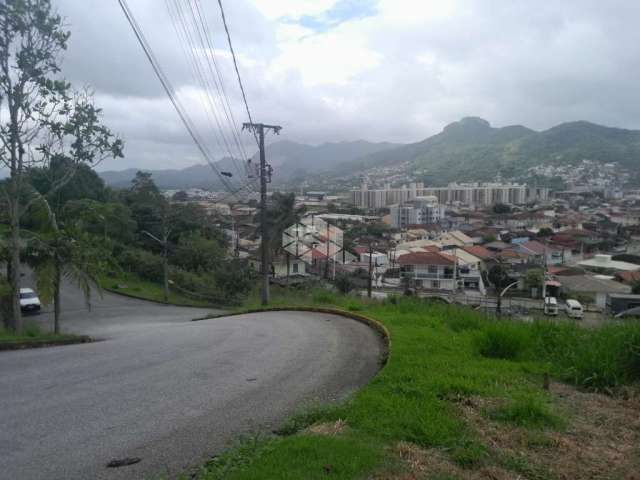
(58, 254)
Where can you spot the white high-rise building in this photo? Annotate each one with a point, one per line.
(473, 194)
(419, 211)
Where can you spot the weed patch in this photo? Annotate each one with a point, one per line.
(527, 411)
(502, 340)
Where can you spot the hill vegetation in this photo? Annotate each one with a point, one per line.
(471, 149)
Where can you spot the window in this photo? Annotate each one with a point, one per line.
(435, 284)
(432, 269)
(295, 267)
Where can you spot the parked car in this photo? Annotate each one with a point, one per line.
(574, 309)
(29, 301)
(550, 306)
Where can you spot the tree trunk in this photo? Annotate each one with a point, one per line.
(165, 273)
(56, 299)
(14, 279)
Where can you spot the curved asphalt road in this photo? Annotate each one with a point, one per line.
(167, 390)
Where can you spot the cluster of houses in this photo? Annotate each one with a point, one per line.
(581, 246)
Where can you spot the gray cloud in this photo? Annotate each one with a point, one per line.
(399, 74)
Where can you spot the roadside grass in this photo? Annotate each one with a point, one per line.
(32, 336)
(442, 357)
(131, 285)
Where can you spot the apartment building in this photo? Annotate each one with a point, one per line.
(419, 211)
(470, 194)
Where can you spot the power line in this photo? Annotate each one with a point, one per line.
(201, 77)
(169, 90)
(235, 65)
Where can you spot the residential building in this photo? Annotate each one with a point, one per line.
(429, 270)
(597, 286)
(469, 194)
(604, 264)
(419, 211)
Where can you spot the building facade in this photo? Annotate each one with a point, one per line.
(470, 194)
(420, 211)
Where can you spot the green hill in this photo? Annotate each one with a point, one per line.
(471, 149)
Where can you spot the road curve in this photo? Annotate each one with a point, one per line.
(172, 394)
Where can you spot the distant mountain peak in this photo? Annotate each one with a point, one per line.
(469, 123)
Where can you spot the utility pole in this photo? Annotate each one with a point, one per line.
(164, 242)
(370, 269)
(265, 177)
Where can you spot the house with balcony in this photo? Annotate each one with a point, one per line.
(429, 270)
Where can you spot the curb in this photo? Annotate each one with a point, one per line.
(23, 345)
(159, 302)
(376, 325)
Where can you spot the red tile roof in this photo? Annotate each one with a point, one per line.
(426, 258)
(512, 254)
(480, 252)
(535, 247)
(628, 277)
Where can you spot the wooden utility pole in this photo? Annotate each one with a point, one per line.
(164, 242)
(265, 177)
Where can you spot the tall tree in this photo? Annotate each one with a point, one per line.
(45, 122)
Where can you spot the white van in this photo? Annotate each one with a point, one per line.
(550, 306)
(574, 309)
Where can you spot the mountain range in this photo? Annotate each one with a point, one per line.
(466, 150)
(291, 161)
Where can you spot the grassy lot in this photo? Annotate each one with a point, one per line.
(33, 336)
(130, 284)
(463, 396)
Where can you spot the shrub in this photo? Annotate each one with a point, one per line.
(502, 340)
(598, 359)
(344, 283)
(145, 264)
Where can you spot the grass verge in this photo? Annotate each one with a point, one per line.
(444, 361)
(131, 285)
(32, 337)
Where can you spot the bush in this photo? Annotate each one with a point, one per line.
(596, 359)
(344, 283)
(502, 340)
(146, 265)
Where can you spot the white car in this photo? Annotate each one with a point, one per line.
(29, 301)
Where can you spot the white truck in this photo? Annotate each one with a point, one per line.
(551, 306)
(574, 309)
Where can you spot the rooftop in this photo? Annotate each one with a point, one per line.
(605, 262)
(427, 258)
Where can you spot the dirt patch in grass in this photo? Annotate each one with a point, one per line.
(601, 439)
(433, 463)
(329, 428)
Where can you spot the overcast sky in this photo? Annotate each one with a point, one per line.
(380, 70)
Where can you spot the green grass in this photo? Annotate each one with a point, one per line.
(146, 290)
(441, 355)
(303, 456)
(32, 334)
(531, 411)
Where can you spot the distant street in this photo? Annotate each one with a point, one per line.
(167, 390)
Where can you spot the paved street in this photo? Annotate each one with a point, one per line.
(165, 389)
